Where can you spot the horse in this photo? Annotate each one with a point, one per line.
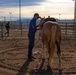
(50, 33)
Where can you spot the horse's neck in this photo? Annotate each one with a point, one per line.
(41, 26)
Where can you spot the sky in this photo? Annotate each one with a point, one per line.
(62, 9)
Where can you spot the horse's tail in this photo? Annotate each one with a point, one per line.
(52, 44)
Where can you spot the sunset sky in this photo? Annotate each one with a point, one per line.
(44, 7)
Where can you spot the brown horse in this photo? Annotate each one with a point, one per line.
(51, 35)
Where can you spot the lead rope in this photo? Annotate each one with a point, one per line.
(37, 40)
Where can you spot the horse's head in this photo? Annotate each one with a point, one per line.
(42, 21)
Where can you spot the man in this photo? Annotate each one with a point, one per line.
(7, 28)
(31, 35)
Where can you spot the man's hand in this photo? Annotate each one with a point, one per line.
(33, 26)
(37, 25)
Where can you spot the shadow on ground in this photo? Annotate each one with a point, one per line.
(24, 70)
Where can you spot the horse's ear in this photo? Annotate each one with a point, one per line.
(40, 17)
(44, 17)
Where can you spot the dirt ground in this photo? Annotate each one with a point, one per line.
(13, 57)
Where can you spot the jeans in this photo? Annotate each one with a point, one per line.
(7, 32)
(31, 38)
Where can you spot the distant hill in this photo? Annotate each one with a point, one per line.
(25, 20)
(67, 21)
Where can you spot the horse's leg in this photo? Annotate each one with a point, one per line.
(51, 55)
(48, 50)
(58, 48)
(59, 53)
(43, 49)
(48, 47)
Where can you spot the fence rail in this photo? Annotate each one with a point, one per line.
(67, 29)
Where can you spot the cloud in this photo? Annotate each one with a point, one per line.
(43, 7)
(14, 3)
(59, 7)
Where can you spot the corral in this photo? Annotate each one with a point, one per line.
(13, 53)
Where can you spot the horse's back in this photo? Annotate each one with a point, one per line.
(49, 24)
(49, 28)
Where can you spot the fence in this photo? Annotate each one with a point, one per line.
(68, 30)
(1, 30)
(16, 30)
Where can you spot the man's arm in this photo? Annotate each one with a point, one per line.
(35, 26)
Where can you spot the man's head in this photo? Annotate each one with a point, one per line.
(36, 16)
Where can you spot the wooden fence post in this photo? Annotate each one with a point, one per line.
(1, 30)
(21, 28)
(66, 29)
(73, 28)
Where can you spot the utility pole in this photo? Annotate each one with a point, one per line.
(59, 17)
(20, 24)
(74, 10)
(4, 19)
(74, 16)
(10, 16)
